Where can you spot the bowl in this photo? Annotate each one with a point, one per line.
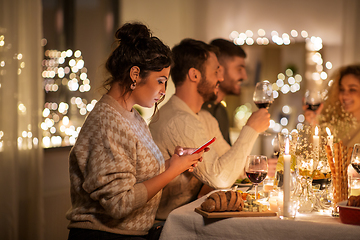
(348, 214)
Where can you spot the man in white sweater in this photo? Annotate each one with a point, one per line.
(181, 122)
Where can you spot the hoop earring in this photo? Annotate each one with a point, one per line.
(133, 85)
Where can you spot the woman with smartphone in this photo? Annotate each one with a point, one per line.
(116, 170)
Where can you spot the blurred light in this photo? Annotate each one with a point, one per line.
(242, 36)
(77, 53)
(265, 41)
(272, 123)
(298, 78)
(261, 32)
(239, 41)
(249, 41)
(249, 33)
(46, 112)
(65, 120)
(43, 42)
(294, 33)
(299, 126)
(304, 34)
(291, 80)
(277, 127)
(330, 83)
(288, 72)
(315, 76)
(83, 76)
(280, 83)
(69, 53)
(323, 75)
(301, 118)
(52, 130)
(281, 76)
(46, 142)
(328, 65)
(274, 33)
(285, 89)
(233, 35)
(275, 94)
(286, 109)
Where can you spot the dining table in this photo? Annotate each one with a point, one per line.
(185, 223)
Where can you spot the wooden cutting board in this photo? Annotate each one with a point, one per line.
(267, 213)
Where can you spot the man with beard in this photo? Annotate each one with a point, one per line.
(196, 74)
(232, 58)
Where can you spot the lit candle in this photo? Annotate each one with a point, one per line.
(286, 182)
(316, 140)
(330, 138)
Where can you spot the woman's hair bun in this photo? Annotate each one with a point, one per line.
(131, 32)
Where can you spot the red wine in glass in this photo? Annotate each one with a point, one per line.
(313, 106)
(256, 176)
(256, 168)
(263, 97)
(356, 166)
(355, 157)
(263, 104)
(313, 99)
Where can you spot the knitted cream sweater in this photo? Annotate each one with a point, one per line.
(112, 156)
(176, 124)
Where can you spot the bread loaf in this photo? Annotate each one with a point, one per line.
(221, 201)
(354, 201)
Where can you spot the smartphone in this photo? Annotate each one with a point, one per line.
(204, 146)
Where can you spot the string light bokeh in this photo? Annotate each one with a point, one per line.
(66, 103)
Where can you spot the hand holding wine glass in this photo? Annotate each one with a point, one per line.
(256, 169)
(355, 158)
(263, 96)
(313, 99)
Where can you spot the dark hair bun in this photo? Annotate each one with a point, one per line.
(130, 33)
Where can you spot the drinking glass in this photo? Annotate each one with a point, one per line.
(263, 97)
(355, 158)
(256, 170)
(313, 99)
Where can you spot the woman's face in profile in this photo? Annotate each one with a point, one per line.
(147, 94)
(349, 94)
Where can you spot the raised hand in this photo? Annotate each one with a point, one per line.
(259, 120)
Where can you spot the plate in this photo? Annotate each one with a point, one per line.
(267, 213)
(348, 214)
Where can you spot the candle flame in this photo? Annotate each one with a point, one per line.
(316, 131)
(287, 147)
(328, 131)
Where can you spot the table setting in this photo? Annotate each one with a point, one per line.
(311, 196)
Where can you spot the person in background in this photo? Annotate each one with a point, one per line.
(341, 109)
(232, 59)
(116, 170)
(181, 121)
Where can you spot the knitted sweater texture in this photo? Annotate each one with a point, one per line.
(176, 124)
(113, 155)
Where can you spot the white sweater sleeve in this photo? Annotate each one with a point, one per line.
(222, 165)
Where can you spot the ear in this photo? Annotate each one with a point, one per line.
(135, 73)
(194, 75)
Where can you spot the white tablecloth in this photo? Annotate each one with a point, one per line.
(185, 223)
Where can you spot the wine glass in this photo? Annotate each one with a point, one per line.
(256, 169)
(263, 97)
(313, 99)
(355, 158)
